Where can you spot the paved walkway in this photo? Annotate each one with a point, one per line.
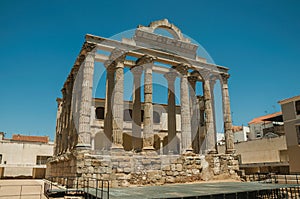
(28, 189)
(184, 190)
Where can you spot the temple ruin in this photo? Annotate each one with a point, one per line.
(139, 142)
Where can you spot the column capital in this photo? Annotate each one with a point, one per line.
(137, 70)
(87, 47)
(225, 77)
(171, 76)
(182, 68)
(117, 55)
(146, 59)
(193, 78)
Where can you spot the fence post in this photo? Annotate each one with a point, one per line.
(285, 178)
(21, 191)
(96, 188)
(108, 189)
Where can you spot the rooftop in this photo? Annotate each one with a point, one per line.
(27, 138)
(264, 118)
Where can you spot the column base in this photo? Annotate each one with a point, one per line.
(230, 151)
(212, 151)
(148, 148)
(116, 147)
(82, 146)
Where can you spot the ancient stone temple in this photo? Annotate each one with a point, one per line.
(139, 142)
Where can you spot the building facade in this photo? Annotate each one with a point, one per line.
(291, 117)
(266, 125)
(24, 156)
(133, 142)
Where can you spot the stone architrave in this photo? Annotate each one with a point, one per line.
(148, 135)
(172, 141)
(186, 137)
(229, 138)
(209, 119)
(136, 110)
(84, 130)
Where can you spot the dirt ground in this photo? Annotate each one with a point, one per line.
(27, 189)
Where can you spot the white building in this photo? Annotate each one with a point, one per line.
(241, 133)
(24, 156)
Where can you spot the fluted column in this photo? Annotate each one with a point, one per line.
(194, 116)
(172, 145)
(110, 84)
(84, 130)
(201, 129)
(136, 114)
(118, 104)
(229, 138)
(209, 120)
(148, 135)
(186, 137)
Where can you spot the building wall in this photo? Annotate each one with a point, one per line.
(260, 150)
(19, 158)
(241, 136)
(291, 121)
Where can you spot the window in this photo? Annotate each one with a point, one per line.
(156, 117)
(298, 133)
(0, 158)
(100, 113)
(297, 106)
(40, 160)
(127, 115)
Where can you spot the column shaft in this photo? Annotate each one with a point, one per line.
(209, 120)
(84, 131)
(194, 113)
(118, 106)
(110, 83)
(148, 109)
(172, 141)
(136, 114)
(229, 138)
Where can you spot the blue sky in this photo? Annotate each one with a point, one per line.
(258, 40)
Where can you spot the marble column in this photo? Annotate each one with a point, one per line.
(209, 119)
(110, 84)
(186, 137)
(118, 104)
(136, 114)
(229, 138)
(201, 129)
(84, 130)
(194, 113)
(148, 135)
(172, 141)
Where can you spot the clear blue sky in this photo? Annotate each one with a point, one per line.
(258, 40)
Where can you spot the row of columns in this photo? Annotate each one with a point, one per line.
(113, 122)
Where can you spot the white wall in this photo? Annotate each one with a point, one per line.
(20, 157)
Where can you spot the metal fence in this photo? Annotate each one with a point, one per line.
(91, 188)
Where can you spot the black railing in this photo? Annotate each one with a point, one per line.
(91, 188)
(275, 178)
(277, 193)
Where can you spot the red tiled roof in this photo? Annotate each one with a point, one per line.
(27, 138)
(237, 128)
(261, 118)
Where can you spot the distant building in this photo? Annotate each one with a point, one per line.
(291, 117)
(240, 133)
(270, 125)
(24, 156)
